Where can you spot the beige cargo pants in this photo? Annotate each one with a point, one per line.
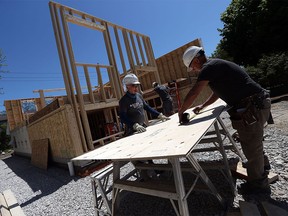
(251, 139)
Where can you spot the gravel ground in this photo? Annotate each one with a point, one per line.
(54, 192)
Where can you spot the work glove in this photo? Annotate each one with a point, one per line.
(163, 117)
(139, 128)
(197, 109)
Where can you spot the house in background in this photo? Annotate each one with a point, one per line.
(81, 121)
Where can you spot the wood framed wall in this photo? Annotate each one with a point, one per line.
(127, 51)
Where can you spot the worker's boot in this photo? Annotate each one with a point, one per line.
(248, 188)
(267, 165)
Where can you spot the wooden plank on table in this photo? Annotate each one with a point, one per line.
(12, 203)
(4, 211)
(40, 150)
(241, 173)
(161, 140)
(185, 166)
(154, 188)
(248, 209)
(273, 210)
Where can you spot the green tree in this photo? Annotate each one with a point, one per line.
(253, 28)
(272, 72)
(2, 63)
(4, 138)
(2, 60)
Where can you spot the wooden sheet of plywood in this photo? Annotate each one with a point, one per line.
(12, 204)
(162, 140)
(39, 157)
(241, 172)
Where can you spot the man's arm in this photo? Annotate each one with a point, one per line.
(191, 96)
(213, 97)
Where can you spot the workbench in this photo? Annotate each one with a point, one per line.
(172, 141)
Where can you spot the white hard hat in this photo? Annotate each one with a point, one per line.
(130, 79)
(190, 54)
(154, 84)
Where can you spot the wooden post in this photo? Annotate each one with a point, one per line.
(114, 78)
(42, 98)
(77, 83)
(65, 71)
(91, 96)
(120, 50)
(134, 48)
(129, 54)
(141, 51)
(102, 90)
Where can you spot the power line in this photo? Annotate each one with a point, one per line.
(31, 80)
(27, 77)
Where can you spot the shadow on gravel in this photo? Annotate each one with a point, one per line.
(258, 199)
(200, 202)
(279, 203)
(41, 182)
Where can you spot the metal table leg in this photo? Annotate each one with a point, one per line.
(204, 177)
(222, 151)
(179, 184)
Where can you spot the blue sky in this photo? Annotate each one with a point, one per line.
(27, 37)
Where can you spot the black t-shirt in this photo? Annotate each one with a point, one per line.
(163, 92)
(228, 81)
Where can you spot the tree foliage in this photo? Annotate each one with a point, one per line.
(2, 59)
(253, 28)
(4, 138)
(271, 72)
(2, 63)
(254, 36)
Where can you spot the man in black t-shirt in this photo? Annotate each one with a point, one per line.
(249, 109)
(167, 102)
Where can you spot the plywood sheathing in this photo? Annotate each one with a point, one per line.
(14, 113)
(40, 153)
(170, 66)
(46, 110)
(61, 129)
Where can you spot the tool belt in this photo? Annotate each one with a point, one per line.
(247, 108)
(256, 100)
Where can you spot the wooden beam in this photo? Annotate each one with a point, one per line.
(91, 96)
(77, 83)
(241, 173)
(120, 50)
(84, 23)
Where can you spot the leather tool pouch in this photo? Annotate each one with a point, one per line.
(248, 116)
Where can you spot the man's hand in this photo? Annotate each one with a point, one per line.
(139, 128)
(197, 109)
(163, 117)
